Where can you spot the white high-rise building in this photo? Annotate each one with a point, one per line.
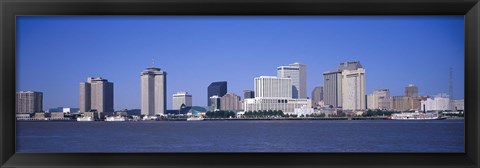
(272, 86)
(181, 98)
(154, 91)
(298, 73)
(274, 93)
(353, 89)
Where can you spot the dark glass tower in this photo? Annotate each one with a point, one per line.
(216, 88)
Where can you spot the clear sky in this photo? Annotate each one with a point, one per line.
(55, 54)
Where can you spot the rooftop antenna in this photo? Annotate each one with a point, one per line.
(153, 62)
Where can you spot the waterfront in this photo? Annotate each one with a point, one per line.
(243, 136)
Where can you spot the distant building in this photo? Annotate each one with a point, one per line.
(216, 88)
(154, 91)
(214, 103)
(317, 96)
(298, 73)
(332, 88)
(353, 89)
(411, 91)
(96, 93)
(405, 103)
(274, 93)
(28, 102)
(272, 86)
(230, 101)
(440, 102)
(247, 94)
(181, 98)
(379, 99)
(64, 109)
(333, 85)
(57, 115)
(459, 105)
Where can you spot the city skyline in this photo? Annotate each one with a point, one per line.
(186, 73)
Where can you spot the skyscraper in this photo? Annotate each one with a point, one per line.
(353, 89)
(230, 101)
(28, 102)
(334, 85)
(181, 98)
(154, 91)
(216, 88)
(298, 73)
(411, 91)
(96, 94)
(274, 93)
(271, 86)
(332, 88)
(247, 94)
(317, 96)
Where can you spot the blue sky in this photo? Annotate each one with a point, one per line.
(56, 53)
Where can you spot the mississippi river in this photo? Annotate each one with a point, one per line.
(243, 136)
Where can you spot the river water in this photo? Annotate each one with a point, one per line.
(243, 136)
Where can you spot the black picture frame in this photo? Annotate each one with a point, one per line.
(11, 8)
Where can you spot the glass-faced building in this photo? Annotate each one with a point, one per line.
(216, 88)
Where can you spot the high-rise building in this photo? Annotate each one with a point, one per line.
(379, 99)
(181, 98)
(230, 101)
(298, 73)
(353, 89)
(332, 88)
(247, 94)
(317, 96)
(274, 93)
(28, 102)
(154, 91)
(214, 103)
(334, 85)
(411, 91)
(96, 94)
(272, 86)
(216, 88)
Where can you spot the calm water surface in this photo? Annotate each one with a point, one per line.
(242, 136)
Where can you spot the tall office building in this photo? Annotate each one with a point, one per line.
(247, 94)
(274, 93)
(28, 102)
(96, 94)
(333, 85)
(181, 98)
(332, 88)
(411, 91)
(353, 89)
(317, 96)
(230, 101)
(272, 86)
(216, 88)
(154, 91)
(298, 73)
